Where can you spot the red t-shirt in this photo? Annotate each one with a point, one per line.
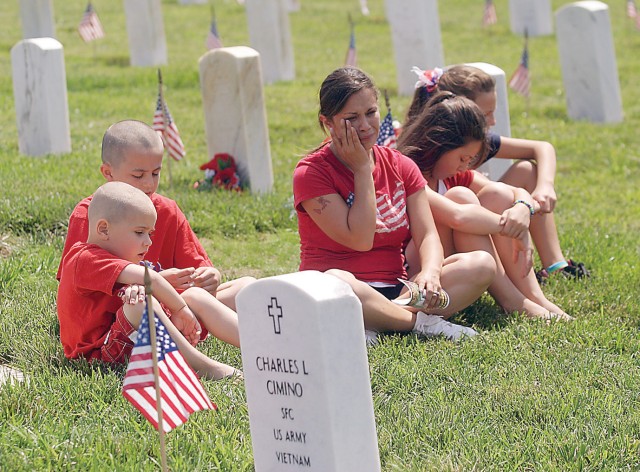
(395, 177)
(174, 244)
(461, 179)
(87, 301)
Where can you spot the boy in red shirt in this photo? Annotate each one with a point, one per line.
(132, 153)
(101, 294)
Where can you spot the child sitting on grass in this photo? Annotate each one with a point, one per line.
(132, 153)
(534, 170)
(101, 294)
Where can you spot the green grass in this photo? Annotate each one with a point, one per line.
(523, 396)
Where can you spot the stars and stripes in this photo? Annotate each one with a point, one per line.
(213, 39)
(181, 391)
(167, 129)
(352, 58)
(90, 27)
(387, 135)
(520, 81)
(489, 17)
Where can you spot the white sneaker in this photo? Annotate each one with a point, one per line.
(433, 325)
(371, 337)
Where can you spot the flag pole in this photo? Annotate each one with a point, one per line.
(154, 357)
(526, 47)
(386, 100)
(164, 124)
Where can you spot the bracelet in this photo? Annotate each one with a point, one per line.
(527, 204)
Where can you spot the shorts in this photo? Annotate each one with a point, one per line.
(119, 341)
(390, 292)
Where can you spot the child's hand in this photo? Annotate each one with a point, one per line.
(132, 294)
(187, 324)
(180, 279)
(523, 254)
(515, 221)
(546, 197)
(207, 278)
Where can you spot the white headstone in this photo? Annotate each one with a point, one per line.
(10, 376)
(270, 35)
(415, 33)
(145, 29)
(533, 16)
(588, 61)
(37, 19)
(306, 375)
(495, 168)
(40, 95)
(235, 114)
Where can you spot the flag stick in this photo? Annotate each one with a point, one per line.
(386, 100)
(154, 358)
(164, 124)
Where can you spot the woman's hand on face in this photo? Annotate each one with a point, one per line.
(346, 144)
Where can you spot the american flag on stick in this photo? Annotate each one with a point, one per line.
(489, 17)
(520, 81)
(387, 135)
(213, 38)
(166, 128)
(352, 57)
(90, 27)
(632, 12)
(181, 393)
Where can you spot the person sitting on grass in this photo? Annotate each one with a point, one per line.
(132, 153)
(470, 211)
(358, 204)
(534, 169)
(101, 296)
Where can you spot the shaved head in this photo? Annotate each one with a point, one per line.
(116, 201)
(129, 136)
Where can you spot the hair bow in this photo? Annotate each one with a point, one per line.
(428, 78)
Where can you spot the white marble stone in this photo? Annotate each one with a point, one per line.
(235, 113)
(37, 19)
(495, 168)
(415, 33)
(40, 96)
(588, 62)
(533, 16)
(306, 375)
(10, 376)
(270, 35)
(145, 29)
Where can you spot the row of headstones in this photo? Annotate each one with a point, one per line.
(232, 96)
(233, 89)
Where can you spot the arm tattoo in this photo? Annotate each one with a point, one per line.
(323, 202)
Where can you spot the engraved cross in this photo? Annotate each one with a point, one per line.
(275, 312)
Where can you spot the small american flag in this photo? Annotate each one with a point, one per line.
(352, 58)
(387, 135)
(520, 81)
(168, 130)
(632, 12)
(181, 391)
(213, 39)
(489, 17)
(90, 27)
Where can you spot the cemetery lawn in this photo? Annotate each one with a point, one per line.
(521, 396)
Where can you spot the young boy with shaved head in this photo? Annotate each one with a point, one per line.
(132, 153)
(101, 294)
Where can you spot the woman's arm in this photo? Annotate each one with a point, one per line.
(465, 217)
(355, 226)
(544, 154)
(427, 242)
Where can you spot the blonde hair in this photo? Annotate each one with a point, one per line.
(116, 201)
(124, 136)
